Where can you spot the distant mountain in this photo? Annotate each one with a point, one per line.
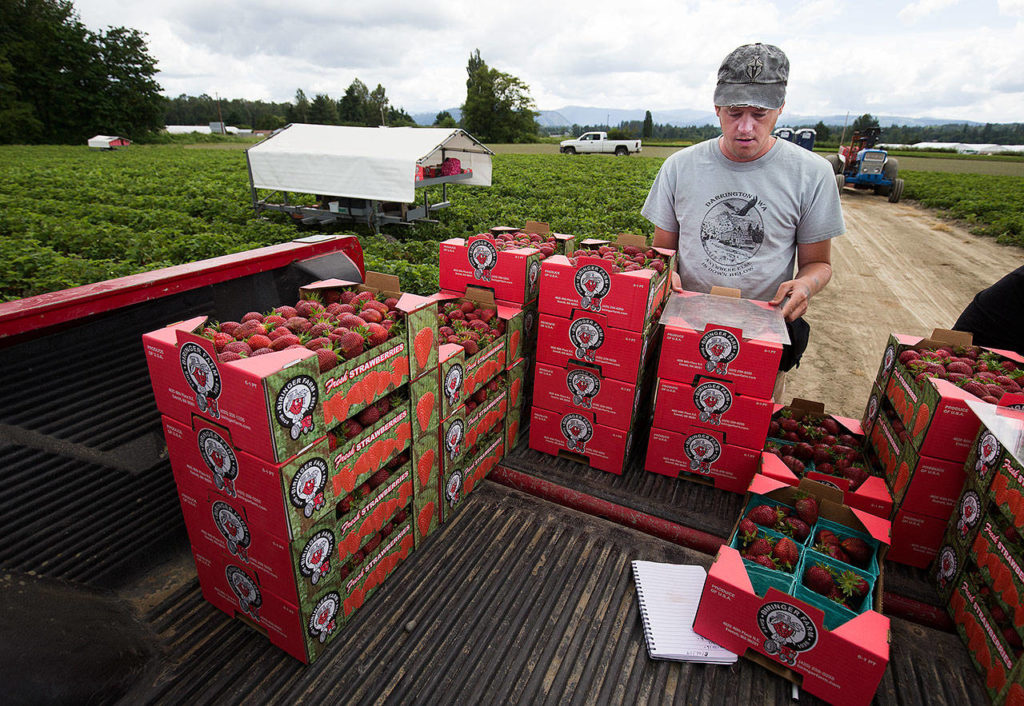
(581, 115)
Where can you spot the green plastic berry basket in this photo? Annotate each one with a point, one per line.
(843, 532)
(835, 613)
(761, 577)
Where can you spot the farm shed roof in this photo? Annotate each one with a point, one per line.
(361, 162)
(107, 140)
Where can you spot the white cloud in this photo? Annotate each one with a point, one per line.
(1014, 8)
(923, 8)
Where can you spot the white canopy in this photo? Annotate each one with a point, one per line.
(361, 162)
(103, 141)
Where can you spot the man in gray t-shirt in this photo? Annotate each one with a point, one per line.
(743, 208)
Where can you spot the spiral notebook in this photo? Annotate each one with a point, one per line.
(668, 596)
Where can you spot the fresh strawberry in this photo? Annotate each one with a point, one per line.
(764, 515)
(369, 416)
(221, 339)
(378, 478)
(327, 359)
(371, 316)
(787, 553)
(318, 343)
(747, 530)
(759, 546)
(259, 340)
(764, 560)
(854, 587)
(229, 327)
(350, 321)
(819, 579)
(378, 334)
(228, 356)
(909, 355)
(350, 428)
(796, 528)
(807, 510)
(298, 324)
(285, 341)
(240, 347)
(858, 550)
(351, 345)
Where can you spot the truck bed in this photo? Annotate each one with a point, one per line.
(525, 596)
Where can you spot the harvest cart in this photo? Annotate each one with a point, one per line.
(368, 175)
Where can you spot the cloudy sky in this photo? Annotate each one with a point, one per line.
(957, 59)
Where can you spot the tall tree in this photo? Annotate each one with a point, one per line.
(498, 106)
(64, 83)
(377, 107)
(648, 130)
(444, 119)
(822, 132)
(323, 110)
(352, 106)
(863, 122)
(298, 112)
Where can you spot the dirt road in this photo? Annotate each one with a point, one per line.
(897, 268)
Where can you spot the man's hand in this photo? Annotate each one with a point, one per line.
(794, 297)
(814, 272)
(675, 282)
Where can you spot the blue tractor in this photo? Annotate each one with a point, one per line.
(862, 166)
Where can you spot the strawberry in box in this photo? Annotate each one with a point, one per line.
(721, 336)
(479, 337)
(625, 281)
(366, 510)
(837, 645)
(805, 442)
(506, 261)
(368, 568)
(930, 385)
(363, 443)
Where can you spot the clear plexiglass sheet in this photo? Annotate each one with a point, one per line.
(1006, 423)
(757, 320)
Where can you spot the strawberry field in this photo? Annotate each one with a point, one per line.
(70, 216)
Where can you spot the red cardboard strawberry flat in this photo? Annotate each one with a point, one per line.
(712, 404)
(588, 338)
(577, 436)
(701, 455)
(582, 388)
(724, 337)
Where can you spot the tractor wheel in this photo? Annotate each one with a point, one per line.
(837, 164)
(621, 152)
(840, 182)
(897, 191)
(891, 168)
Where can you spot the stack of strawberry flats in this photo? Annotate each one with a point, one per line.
(290, 433)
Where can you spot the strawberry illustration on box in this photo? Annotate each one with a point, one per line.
(626, 281)
(577, 436)
(712, 404)
(813, 606)
(303, 629)
(426, 499)
(699, 454)
(366, 510)
(368, 568)
(285, 499)
(721, 336)
(364, 443)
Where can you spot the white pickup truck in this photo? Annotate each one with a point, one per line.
(598, 142)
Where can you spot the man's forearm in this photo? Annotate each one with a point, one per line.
(815, 275)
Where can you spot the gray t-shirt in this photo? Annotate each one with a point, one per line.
(739, 222)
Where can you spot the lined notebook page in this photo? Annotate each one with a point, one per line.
(668, 595)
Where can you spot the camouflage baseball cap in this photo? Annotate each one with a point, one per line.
(754, 74)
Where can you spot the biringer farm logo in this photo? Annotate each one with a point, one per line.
(322, 620)
(788, 631)
(202, 376)
(713, 400)
(233, 528)
(702, 450)
(948, 565)
(719, 348)
(970, 513)
(295, 404)
(592, 284)
(872, 408)
(532, 276)
(315, 560)
(246, 591)
(988, 452)
(307, 487)
(577, 431)
(888, 358)
(220, 459)
(453, 380)
(586, 336)
(453, 488)
(453, 439)
(583, 386)
(483, 256)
